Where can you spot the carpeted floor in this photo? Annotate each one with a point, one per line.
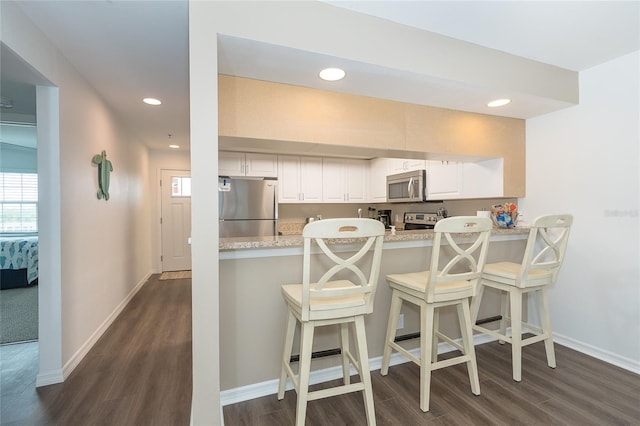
(19, 314)
(175, 275)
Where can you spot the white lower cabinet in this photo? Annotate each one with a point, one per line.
(344, 181)
(299, 179)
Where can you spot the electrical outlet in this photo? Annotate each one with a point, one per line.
(400, 322)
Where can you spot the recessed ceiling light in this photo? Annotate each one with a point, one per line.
(332, 74)
(151, 101)
(498, 102)
(174, 146)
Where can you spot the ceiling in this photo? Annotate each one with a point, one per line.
(129, 50)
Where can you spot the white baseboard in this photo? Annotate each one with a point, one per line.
(270, 387)
(49, 378)
(73, 362)
(601, 354)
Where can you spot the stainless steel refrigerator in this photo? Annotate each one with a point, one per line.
(248, 207)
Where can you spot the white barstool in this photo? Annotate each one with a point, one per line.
(453, 284)
(331, 300)
(542, 260)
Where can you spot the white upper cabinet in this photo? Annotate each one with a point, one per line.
(379, 168)
(344, 181)
(399, 165)
(444, 180)
(299, 179)
(247, 164)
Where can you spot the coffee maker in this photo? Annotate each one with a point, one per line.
(384, 216)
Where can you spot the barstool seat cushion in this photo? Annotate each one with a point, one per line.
(293, 294)
(416, 283)
(507, 273)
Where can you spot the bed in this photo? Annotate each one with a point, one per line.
(18, 262)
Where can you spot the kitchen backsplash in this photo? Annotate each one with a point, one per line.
(293, 217)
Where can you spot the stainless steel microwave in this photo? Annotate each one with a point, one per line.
(408, 187)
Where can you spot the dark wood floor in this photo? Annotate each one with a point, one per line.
(139, 373)
(580, 391)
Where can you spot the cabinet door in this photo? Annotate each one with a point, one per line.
(333, 181)
(399, 165)
(289, 179)
(356, 181)
(261, 165)
(230, 163)
(444, 180)
(344, 181)
(311, 179)
(413, 164)
(378, 169)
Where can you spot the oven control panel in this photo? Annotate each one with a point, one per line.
(421, 218)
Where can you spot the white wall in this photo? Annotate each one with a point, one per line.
(103, 247)
(161, 160)
(203, 92)
(585, 160)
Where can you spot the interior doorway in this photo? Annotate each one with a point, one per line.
(175, 220)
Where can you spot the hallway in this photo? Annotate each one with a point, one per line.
(138, 373)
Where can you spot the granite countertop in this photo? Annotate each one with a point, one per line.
(227, 244)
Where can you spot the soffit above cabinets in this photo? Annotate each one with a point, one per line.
(229, 143)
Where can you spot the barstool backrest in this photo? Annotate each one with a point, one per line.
(466, 264)
(546, 247)
(352, 292)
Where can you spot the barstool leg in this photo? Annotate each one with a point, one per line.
(394, 314)
(516, 333)
(344, 348)
(504, 305)
(475, 304)
(464, 317)
(545, 322)
(286, 352)
(306, 342)
(365, 374)
(426, 342)
(434, 342)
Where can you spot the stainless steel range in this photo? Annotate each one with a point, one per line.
(420, 220)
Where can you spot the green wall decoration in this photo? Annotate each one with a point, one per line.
(104, 168)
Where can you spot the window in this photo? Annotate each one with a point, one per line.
(180, 186)
(18, 202)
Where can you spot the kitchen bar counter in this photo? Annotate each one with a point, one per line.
(401, 239)
(253, 313)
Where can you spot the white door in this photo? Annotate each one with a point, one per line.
(176, 220)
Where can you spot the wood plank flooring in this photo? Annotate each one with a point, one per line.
(139, 373)
(580, 391)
